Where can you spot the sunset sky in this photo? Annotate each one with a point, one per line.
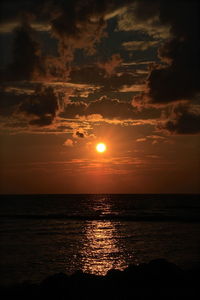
(78, 72)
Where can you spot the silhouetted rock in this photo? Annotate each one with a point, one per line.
(158, 279)
(56, 280)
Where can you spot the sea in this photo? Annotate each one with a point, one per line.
(41, 235)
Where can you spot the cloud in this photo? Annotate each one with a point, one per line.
(88, 74)
(81, 24)
(137, 63)
(155, 139)
(141, 140)
(13, 11)
(80, 134)
(95, 75)
(73, 109)
(111, 65)
(27, 62)
(9, 102)
(78, 24)
(132, 88)
(39, 108)
(184, 119)
(110, 108)
(9, 27)
(178, 78)
(143, 16)
(91, 118)
(139, 45)
(115, 13)
(43, 105)
(68, 143)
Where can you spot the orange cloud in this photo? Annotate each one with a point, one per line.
(68, 143)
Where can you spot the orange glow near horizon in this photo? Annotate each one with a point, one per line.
(101, 147)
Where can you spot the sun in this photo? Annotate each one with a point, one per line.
(101, 147)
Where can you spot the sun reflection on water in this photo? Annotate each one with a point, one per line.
(101, 251)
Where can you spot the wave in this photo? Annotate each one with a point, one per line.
(107, 217)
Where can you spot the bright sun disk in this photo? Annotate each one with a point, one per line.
(101, 147)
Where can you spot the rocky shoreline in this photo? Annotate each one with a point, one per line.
(158, 279)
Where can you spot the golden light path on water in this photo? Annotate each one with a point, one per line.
(100, 251)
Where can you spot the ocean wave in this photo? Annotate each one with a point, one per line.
(105, 217)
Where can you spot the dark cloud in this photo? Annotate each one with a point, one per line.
(80, 9)
(117, 81)
(108, 108)
(93, 74)
(27, 62)
(89, 74)
(184, 119)
(13, 10)
(9, 102)
(179, 78)
(43, 104)
(145, 9)
(77, 24)
(40, 107)
(80, 134)
(73, 109)
(81, 24)
(42, 121)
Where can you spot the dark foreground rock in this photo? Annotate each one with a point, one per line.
(158, 279)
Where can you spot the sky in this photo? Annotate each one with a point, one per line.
(78, 72)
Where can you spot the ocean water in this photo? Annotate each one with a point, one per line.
(44, 234)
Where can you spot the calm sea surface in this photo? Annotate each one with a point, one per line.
(44, 234)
